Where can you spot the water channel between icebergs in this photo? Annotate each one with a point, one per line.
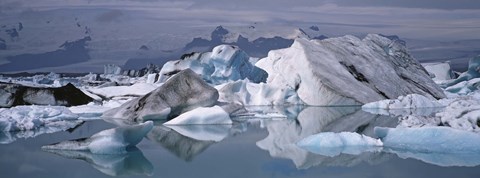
(252, 147)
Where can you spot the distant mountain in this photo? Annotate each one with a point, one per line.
(69, 53)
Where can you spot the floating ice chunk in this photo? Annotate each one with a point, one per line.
(182, 92)
(202, 115)
(138, 89)
(203, 132)
(404, 102)
(440, 71)
(111, 141)
(464, 87)
(471, 73)
(58, 126)
(22, 118)
(430, 139)
(152, 78)
(332, 144)
(225, 63)
(245, 92)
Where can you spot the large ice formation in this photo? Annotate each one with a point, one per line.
(14, 95)
(225, 63)
(21, 118)
(332, 144)
(202, 115)
(338, 71)
(429, 139)
(182, 92)
(111, 141)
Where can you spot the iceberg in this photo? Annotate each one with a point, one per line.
(225, 63)
(412, 104)
(68, 95)
(439, 71)
(21, 118)
(461, 113)
(246, 93)
(111, 141)
(323, 72)
(12, 136)
(181, 93)
(202, 115)
(429, 139)
(333, 144)
(131, 163)
(464, 87)
(471, 73)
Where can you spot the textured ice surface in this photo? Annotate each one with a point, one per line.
(471, 73)
(131, 163)
(202, 115)
(111, 141)
(461, 113)
(404, 102)
(332, 144)
(225, 63)
(247, 93)
(430, 139)
(21, 118)
(440, 71)
(338, 71)
(182, 92)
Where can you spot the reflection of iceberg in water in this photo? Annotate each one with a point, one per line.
(440, 159)
(184, 146)
(9, 137)
(131, 163)
(283, 136)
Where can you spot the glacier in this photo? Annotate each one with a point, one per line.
(333, 144)
(429, 139)
(111, 141)
(183, 92)
(22, 118)
(225, 63)
(323, 72)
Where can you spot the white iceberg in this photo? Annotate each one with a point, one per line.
(471, 73)
(21, 118)
(202, 115)
(440, 71)
(111, 141)
(245, 92)
(323, 72)
(429, 139)
(333, 144)
(412, 104)
(225, 63)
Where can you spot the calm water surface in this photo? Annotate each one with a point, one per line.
(251, 148)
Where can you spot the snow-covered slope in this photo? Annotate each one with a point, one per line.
(348, 71)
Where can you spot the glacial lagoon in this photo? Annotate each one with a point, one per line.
(252, 147)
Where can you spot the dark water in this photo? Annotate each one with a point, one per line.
(252, 148)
